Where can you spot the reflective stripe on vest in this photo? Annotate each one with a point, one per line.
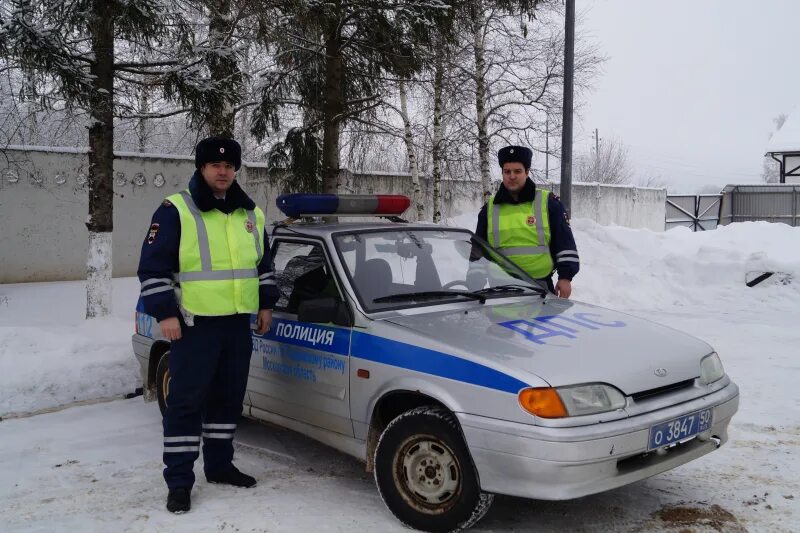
(510, 232)
(217, 262)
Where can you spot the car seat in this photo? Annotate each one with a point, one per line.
(373, 279)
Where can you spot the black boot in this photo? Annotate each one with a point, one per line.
(179, 500)
(231, 476)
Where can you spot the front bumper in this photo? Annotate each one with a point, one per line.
(569, 462)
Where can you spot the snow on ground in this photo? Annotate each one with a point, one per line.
(98, 468)
(50, 355)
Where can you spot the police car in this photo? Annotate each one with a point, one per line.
(425, 353)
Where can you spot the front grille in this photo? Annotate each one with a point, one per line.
(638, 396)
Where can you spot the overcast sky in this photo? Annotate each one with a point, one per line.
(691, 87)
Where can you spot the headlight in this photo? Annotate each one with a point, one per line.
(711, 369)
(571, 401)
(591, 399)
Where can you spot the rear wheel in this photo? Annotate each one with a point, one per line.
(425, 474)
(162, 381)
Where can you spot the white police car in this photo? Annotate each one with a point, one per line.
(421, 351)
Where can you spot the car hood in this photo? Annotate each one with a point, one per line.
(565, 342)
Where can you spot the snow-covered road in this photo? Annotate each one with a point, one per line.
(98, 468)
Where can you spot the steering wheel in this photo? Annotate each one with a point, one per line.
(455, 282)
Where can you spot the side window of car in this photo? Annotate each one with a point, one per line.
(301, 272)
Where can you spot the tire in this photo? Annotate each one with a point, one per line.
(162, 381)
(425, 474)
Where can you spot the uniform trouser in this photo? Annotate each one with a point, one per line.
(208, 369)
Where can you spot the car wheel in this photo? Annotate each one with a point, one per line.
(162, 381)
(425, 474)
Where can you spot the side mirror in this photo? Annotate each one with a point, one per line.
(324, 310)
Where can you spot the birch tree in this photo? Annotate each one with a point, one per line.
(436, 142)
(408, 138)
(514, 76)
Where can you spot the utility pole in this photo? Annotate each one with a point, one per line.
(596, 155)
(566, 128)
(547, 149)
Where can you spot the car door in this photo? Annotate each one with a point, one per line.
(300, 370)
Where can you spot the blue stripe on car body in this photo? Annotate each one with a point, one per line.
(418, 359)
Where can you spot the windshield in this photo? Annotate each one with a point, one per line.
(397, 268)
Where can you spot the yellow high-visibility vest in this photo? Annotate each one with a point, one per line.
(522, 233)
(218, 258)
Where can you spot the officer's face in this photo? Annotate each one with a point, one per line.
(219, 175)
(514, 176)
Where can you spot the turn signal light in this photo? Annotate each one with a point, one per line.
(544, 402)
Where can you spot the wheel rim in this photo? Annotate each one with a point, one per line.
(165, 386)
(428, 474)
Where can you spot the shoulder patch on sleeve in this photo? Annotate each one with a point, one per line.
(566, 217)
(166, 203)
(151, 235)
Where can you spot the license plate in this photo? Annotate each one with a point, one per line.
(679, 429)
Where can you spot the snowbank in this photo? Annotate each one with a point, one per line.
(637, 269)
(50, 355)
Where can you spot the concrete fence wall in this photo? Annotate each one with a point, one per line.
(620, 205)
(44, 204)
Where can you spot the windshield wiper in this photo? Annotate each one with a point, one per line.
(510, 288)
(428, 294)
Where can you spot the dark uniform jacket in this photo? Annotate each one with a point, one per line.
(159, 258)
(561, 239)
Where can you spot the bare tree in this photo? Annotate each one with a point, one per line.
(512, 69)
(408, 137)
(608, 164)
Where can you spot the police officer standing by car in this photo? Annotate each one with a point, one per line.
(204, 268)
(529, 225)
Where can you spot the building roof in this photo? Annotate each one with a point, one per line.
(786, 139)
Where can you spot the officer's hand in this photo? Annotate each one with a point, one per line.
(170, 328)
(263, 321)
(564, 288)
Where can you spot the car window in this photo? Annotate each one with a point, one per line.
(301, 272)
(394, 262)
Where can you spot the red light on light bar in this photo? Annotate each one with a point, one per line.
(392, 204)
(301, 204)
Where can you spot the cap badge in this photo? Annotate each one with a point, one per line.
(531, 221)
(221, 150)
(511, 151)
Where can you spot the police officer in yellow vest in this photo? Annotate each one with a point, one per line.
(204, 269)
(529, 225)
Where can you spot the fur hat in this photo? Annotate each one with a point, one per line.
(515, 154)
(214, 149)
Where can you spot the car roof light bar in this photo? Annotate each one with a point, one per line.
(299, 205)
